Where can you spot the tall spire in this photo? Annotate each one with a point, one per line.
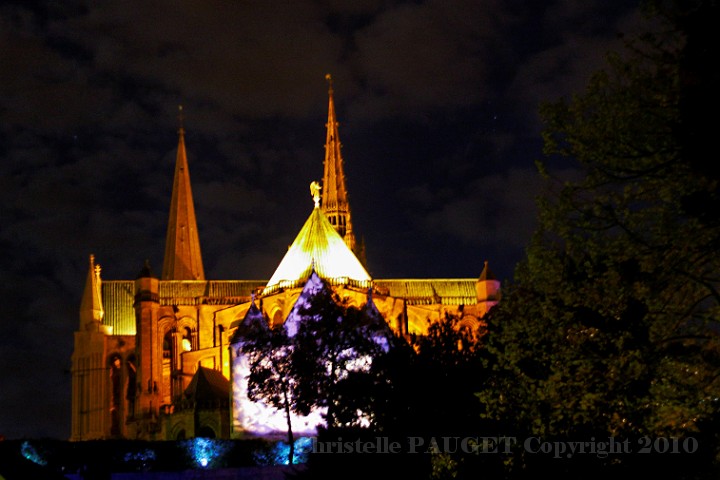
(183, 260)
(335, 203)
(91, 308)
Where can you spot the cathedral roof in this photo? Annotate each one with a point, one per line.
(430, 291)
(320, 247)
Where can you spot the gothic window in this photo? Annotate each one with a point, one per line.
(131, 385)
(187, 340)
(116, 395)
(167, 345)
(277, 319)
(167, 365)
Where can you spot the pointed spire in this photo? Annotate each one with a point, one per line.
(183, 260)
(91, 308)
(335, 203)
(488, 290)
(486, 274)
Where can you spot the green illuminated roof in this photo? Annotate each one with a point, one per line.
(318, 246)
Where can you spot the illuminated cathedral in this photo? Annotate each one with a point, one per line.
(155, 358)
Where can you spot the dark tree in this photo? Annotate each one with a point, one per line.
(422, 388)
(610, 326)
(268, 352)
(333, 351)
(447, 371)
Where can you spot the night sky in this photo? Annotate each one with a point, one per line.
(437, 102)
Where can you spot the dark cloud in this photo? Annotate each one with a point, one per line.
(438, 108)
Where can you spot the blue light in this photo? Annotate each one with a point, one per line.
(142, 460)
(279, 452)
(29, 452)
(205, 452)
(303, 447)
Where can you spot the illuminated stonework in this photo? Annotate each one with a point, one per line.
(153, 356)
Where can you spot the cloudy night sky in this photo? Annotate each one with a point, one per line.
(437, 102)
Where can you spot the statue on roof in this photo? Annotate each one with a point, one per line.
(315, 192)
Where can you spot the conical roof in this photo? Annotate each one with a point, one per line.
(318, 246)
(313, 291)
(253, 320)
(486, 273)
(208, 385)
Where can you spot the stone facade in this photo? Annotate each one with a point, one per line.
(152, 357)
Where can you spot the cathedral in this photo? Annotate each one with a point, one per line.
(153, 356)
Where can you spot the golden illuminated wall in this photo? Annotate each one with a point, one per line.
(101, 371)
(196, 319)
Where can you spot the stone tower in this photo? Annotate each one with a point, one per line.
(89, 388)
(148, 340)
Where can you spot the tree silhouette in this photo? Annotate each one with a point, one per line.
(610, 326)
(334, 348)
(421, 387)
(268, 352)
(318, 360)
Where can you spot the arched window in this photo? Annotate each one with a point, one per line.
(187, 343)
(277, 319)
(131, 388)
(167, 345)
(116, 395)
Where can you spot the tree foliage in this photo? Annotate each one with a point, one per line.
(334, 348)
(320, 360)
(422, 388)
(610, 326)
(371, 382)
(270, 379)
